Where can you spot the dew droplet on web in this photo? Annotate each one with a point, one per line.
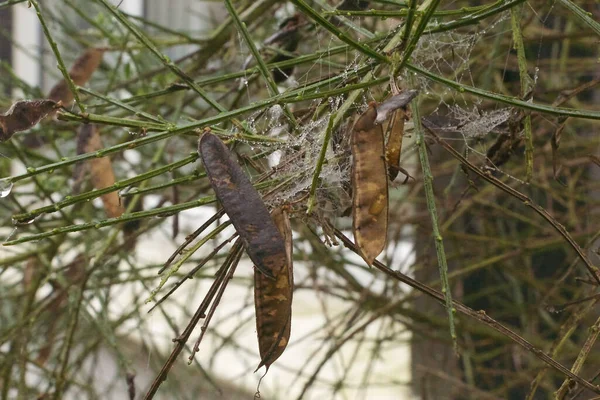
(19, 222)
(5, 188)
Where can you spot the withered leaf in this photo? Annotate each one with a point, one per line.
(80, 73)
(243, 204)
(369, 186)
(273, 300)
(24, 115)
(100, 169)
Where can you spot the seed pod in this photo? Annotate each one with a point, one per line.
(100, 169)
(80, 73)
(397, 105)
(243, 204)
(24, 115)
(273, 300)
(369, 186)
(393, 149)
(394, 103)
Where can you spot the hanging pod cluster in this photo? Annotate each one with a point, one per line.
(372, 163)
(268, 242)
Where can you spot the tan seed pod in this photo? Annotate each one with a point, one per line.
(273, 300)
(369, 186)
(243, 205)
(24, 115)
(393, 147)
(397, 106)
(100, 169)
(80, 73)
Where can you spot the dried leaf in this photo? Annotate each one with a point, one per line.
(369, 186)
(243, 204)
(80, 73)
(100, 169)
(24, 115)
(273, 300)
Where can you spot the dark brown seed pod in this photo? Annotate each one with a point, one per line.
(369, 185)
(243, 204)
(273, 300)
(100, 169)
(80, 73)
(24, 115)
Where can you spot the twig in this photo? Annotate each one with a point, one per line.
(592, 269)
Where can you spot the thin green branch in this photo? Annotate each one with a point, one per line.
(432, 208)
(526, 86)
(127, 217)
(592, 269)
(164, 59)
(59, 60)
(526, 105)
(262, 66)
(319, 166)
(582, 15)
(71, 200)
(416, 35)
(309, 11)
(188, 253)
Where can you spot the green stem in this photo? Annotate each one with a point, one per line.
(59, 60)
(308, 10)
(70, 200)
(319, 166)
(431, 206)
(262, 66)
(526, 86)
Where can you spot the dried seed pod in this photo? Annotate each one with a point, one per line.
(394, 103)
(24, 115)
(273, 300)
(397, 105)
(369, 186)
(393, 148)
(100, 169)
(243, 204)
(80, 73)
